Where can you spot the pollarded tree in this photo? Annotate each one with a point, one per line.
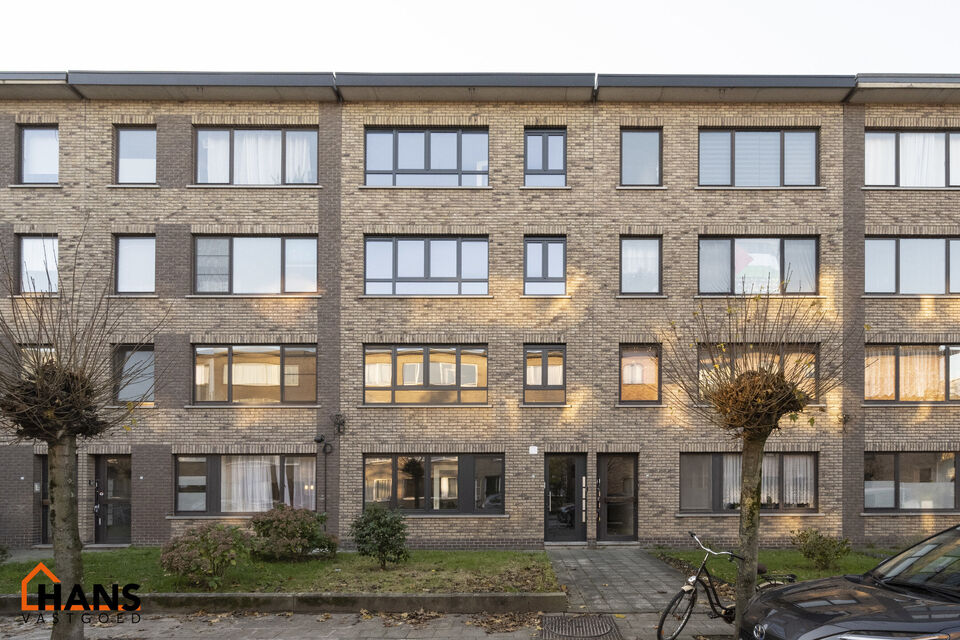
(751, 364)
(61, 376)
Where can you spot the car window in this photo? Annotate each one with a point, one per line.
(933, 562)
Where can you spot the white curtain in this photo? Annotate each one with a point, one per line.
(731, 481)
(213, 157)
(41, 155)
(256, 157)
(300, 482)
(714, 266)
(248, 483)
(922, 373)
(770, 482)
(640, 269)
(922, 159)
(880, 158)
(301, 157)
(800, 262)
(798, 481)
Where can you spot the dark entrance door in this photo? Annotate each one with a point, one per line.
(617, 496)
(565, 499)
(111, 504)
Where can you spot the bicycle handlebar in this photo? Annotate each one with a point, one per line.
(712, 552)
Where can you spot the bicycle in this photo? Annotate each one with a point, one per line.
(680, 608)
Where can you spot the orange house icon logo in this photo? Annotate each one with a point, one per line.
(103, 600)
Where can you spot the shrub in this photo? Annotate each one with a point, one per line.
(381, 534)
(203, 554)
(4, 554)
(291, 534)
(822, 550)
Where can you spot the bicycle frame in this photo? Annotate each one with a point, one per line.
(713, 598)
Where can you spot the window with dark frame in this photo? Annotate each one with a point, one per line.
(911, 266)
(136, 264)
(750, 265)
(427, 157)
(443, 265)
(545, 158)
(425, 374)
(910, 481)
(640, 259)
(545, 377)
(911, 373)
(798, 361)
(639, 373)
(641, 154)
(256, 156)
(255, 374)
(759, 158)
(135, 374)
(912, 159)
(39, 270)
(216, 484)
(39, 154)
(544, 266)
(710, 482)
(255, 265)
(136, 155)
(435, 483)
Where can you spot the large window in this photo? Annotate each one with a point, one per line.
(639, 374)
(912, 373)
(255, 374)
(758, 265)
(545, 153)
(432, 483)
(222, 484)
(640, 154)
(710, 482)
(545, 377)
(256, 156)
(426, 266)
(38, 264)
(39, 155)
(136, 155)
(912, 265)
(784, 158)
(427, 157)
(639, 265)
(424, 374)
(135, 374)
(911, 159)
(136, 264)
(545, 266)
(255, 265)
(915, 481)
(798, 362)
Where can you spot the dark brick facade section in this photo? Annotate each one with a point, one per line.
(174, 151)
(174, 365)
(8, 150)
(152, 493)
(9, 256)
(175, 257)
(18, 524)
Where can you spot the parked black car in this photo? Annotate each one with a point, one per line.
(913, 595)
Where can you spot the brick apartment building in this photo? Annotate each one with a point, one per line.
(458, 281)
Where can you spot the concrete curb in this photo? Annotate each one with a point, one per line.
(336, 602)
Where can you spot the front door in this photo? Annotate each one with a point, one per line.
(111, 505)
(617, 496)
(565, 499)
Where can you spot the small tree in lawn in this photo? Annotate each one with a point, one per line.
(382, 534)
(745, 366)
(60, 377)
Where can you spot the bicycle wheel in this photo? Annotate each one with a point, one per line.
(674, 618)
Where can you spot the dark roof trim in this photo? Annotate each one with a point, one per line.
(193, 78)
(29, 76)
(727, 81)
(907, 78)
(435, 80)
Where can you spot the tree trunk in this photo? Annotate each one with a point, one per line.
(66, 530)
(750, 483)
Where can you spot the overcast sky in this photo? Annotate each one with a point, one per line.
(639, 36)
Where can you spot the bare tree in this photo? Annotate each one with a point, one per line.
(61, 376)
(747, 364)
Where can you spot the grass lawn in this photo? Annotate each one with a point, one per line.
(777, 561)
(425, 572)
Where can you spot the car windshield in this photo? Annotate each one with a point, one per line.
(932, 564)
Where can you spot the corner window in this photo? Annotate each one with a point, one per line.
(425, 266)
(255, 265)
(710, 482)
(136, 155)
(427, 157)
(38, 264)
(135, 374)
(639, 265)
(544, 379)
(421, 374)
(136, 264)
(911, 159)
(640, 153)
(758, 265)
(437, 484)
(639, 374)
(912, 265)
(237, 484)
(39, 155)
(912, 373)
(765, 158)
(545, 266)
(914, 481)
(545, 153)
(256, 156)
(255, 374)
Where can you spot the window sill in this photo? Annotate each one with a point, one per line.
(133, 186)
(133, 295)
(908, 296)
(267, 296)
(639, 187)
(736, 514)
(651, 405)
(723, 188)
(34, 296)
(206, 517)
(428, 297)
(455, 516)
(545, 405)
(252, 406)
(784, 296)
(536, 295)
(387, 405)
(416, 187)
(142, 405)
(654, 296)
(931, 512)
(907, 405)
(910, 188)
(563, 188)
(254, 186)
(38, 185)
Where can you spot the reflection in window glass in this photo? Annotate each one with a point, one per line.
(545, 266)
(639, 374)
(488, 483)
(136, 264)
(879, 474)
(714, 266)
(926, 480)
(40, 155)
(136, 156)
(428, 158)
(191, 483)
(922, 265)
(136, 382)
(756, 265)
(880, 265)
(715, 160)
(378, 481)
(410, 483)
(640, 265)
(640, 157)
(38, 264)
(444, 485)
